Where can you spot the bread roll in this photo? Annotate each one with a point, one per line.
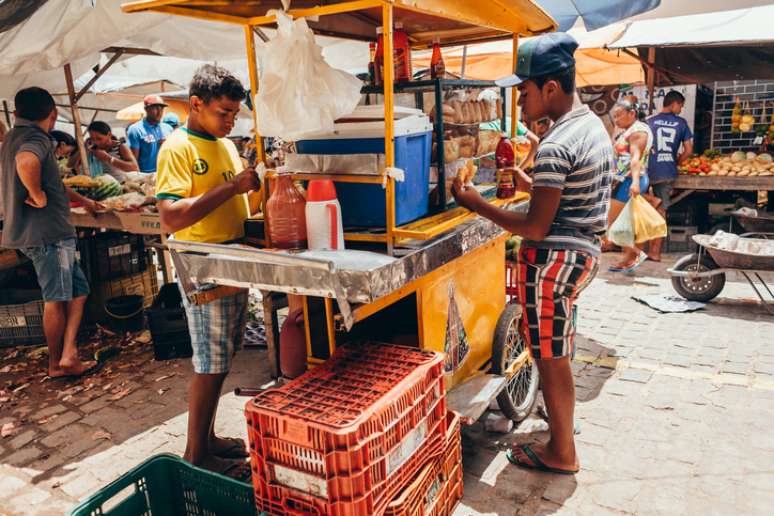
(458, 114)
(467, 146)
(499, 108)
(451, 151)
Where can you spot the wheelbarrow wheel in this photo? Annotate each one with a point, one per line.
(698, 289)
(518, 398)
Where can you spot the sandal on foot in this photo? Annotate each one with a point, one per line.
(236, 450)
(537, 464)
(236, 470)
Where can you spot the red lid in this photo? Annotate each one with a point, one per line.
(320, 190)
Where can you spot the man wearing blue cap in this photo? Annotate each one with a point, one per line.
(558, 258)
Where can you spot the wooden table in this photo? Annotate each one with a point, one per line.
(687, 184)
(130, 222)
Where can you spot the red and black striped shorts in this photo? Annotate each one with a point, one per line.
(550, 281)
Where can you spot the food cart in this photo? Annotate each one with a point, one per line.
(437, 282)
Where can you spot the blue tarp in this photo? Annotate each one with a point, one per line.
(595, 13)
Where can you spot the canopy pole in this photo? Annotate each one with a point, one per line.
(76, 118)
(389, 127)
(514, 91)
(253, 70)
(464, 61)
(7, 114)
(651, 78)
(99, 74)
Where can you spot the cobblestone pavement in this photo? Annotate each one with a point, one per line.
(675, 413)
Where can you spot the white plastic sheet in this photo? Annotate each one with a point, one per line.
(300, 93)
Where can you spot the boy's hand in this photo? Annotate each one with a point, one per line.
(247, 180)
(466, 197)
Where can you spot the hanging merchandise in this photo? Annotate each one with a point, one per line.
(736, 116)
(437, 67)
(748, 120)
(286, 214)
(308, 100)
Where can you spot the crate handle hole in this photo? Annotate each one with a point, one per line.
(118, 498)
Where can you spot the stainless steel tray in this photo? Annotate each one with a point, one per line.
(293, 273)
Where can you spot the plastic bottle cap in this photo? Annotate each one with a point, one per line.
(320, 190)
(399, 25)
(436, 39)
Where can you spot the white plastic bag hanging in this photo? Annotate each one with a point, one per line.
(299, 93)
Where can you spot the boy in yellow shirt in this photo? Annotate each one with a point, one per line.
(201, 191)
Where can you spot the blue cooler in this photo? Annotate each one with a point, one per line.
(363, 205)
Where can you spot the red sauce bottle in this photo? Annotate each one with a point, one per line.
(505, 158)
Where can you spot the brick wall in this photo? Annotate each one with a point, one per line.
(755, 92)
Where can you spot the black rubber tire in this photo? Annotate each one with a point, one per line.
(526, 393)
(704, 289)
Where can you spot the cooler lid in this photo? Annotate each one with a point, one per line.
(368, 122)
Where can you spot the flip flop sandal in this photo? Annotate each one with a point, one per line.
(537, 464)
(636, 265)
(237, 450)
(244, 473)
(88, 372)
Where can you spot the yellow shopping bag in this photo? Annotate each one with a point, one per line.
(648, 222)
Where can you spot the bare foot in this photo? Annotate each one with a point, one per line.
(70, 367)
(548, 457)
(228, 447)
(236, 469)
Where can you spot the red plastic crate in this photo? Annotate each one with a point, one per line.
(437, 488)
(346, 436)
(511, 282)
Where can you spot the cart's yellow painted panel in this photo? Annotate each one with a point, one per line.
(478, 282)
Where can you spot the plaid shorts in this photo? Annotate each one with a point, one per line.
(217, 330)
(549, 282)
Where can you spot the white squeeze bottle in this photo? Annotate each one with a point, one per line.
(324, 228)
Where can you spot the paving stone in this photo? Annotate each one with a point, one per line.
(677, 360)
(9, 484)
(23, 456)
(50, 411)
(30, 497)
(736, 367)
(81, 485)
(23, 438)
(636, 375)
(96, 404)
(61, 421)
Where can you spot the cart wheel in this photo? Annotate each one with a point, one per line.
(520, 393)
(698, 289)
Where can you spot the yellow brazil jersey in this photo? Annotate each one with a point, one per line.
(190, 164)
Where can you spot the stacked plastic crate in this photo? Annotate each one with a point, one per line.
(349, 436)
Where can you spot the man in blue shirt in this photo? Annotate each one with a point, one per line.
(670, 132)
(146, 136)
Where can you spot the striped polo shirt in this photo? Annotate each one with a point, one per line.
(576, 156)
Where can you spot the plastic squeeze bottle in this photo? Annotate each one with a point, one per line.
(437, 66)
(505, 159)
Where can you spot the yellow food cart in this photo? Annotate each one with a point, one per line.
(437, 283)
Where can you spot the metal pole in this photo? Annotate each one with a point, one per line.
(651, 71)
(253, 70)
(389, 126)
(514, 91)
(714, 100)
(76, 119)
(7, 113)
(464, 61)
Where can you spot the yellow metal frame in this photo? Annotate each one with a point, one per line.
(420, 230)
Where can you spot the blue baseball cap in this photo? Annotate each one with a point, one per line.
(171, 119)
(542, 55)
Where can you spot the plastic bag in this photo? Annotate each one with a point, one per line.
(299, 93)
(621, 232)
(648, 222)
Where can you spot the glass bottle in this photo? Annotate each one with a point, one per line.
(437, 67)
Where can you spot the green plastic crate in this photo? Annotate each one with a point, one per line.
(166, 485)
